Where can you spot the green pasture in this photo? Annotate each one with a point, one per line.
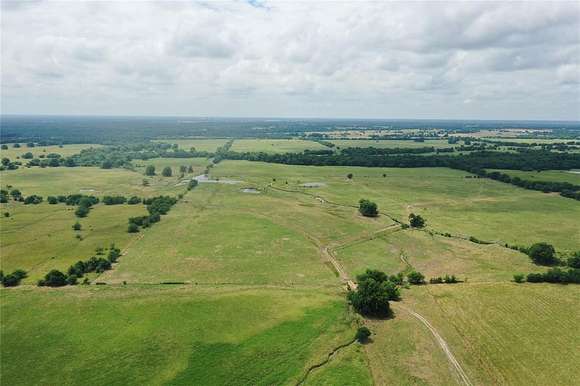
(162, 335)
(200, 144)
(346, 143)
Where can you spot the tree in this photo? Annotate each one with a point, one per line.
(134, 200)
(106, 164)
(133, 228)
(16, 195)
(52, 200)
(192, 184)
(368, 208)
(370, 298)
(183, 169)
(166, 172)
(362, 334)
(519, 278)
(416, 278)
(82, 211)
(4, 147)
(149, 171)
(54, 278)
(13, 279)
(416, 221)
(574, 261)
(349, 176)
(77, 226)
(543, 254)
(27, 155)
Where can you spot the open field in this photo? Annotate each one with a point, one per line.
(571, 176)
(38, 238)
(275, 145)
(65, 151)
(161, 335)
(483, 208)
(200, 144)
(436, 143)
(86, 180)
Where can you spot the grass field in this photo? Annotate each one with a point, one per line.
(572, 177)
(483, 208)
(198, 164)
(275, 145)
(86, 180)
(156, 335)
(200, 144)
(38, 238)
(506, 333)
(261, 303)
(65, 151)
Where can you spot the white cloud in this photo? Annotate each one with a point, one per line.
(269, 58)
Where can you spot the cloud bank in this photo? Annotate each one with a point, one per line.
(301, 59)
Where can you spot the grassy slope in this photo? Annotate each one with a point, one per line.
(275, 145)
(156, 335)
(66, 150)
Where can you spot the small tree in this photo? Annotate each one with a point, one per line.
(362, 334)
(368, 208)
(416, 221)
(166, 172)
(52, 200)
(349, 176)
(133, 228)
(416, 278)
(149, 171)
(543, 254)
(77, 226)
(82, 211)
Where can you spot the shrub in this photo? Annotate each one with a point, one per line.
(166, 172)
(416, 278)
(149, 171)
(362, 334)
(77, 226)
(519, 278)
(13, 279)
(436, 280)
(368, 208)
(82, 211)
(134, 200)
(52, 200)
(574, 261)
(133, 228)
(535, 278)
(192, 184)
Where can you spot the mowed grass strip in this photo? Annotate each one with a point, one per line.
(38, 238)
(159, 335)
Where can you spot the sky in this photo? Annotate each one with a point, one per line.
(354, 59)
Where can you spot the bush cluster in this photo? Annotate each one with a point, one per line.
(554, 275)
(13, 279)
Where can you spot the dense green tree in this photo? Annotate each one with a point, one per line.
(362, 334)
(370, 298)
(13, 279)
(368, 208)
(27, 155)
(543, 254)
(149, 171)
(133, 228)
(166, 172)
(82, 211)
(52, 200)
(416, 221)
(134, 200)
(54, 278)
